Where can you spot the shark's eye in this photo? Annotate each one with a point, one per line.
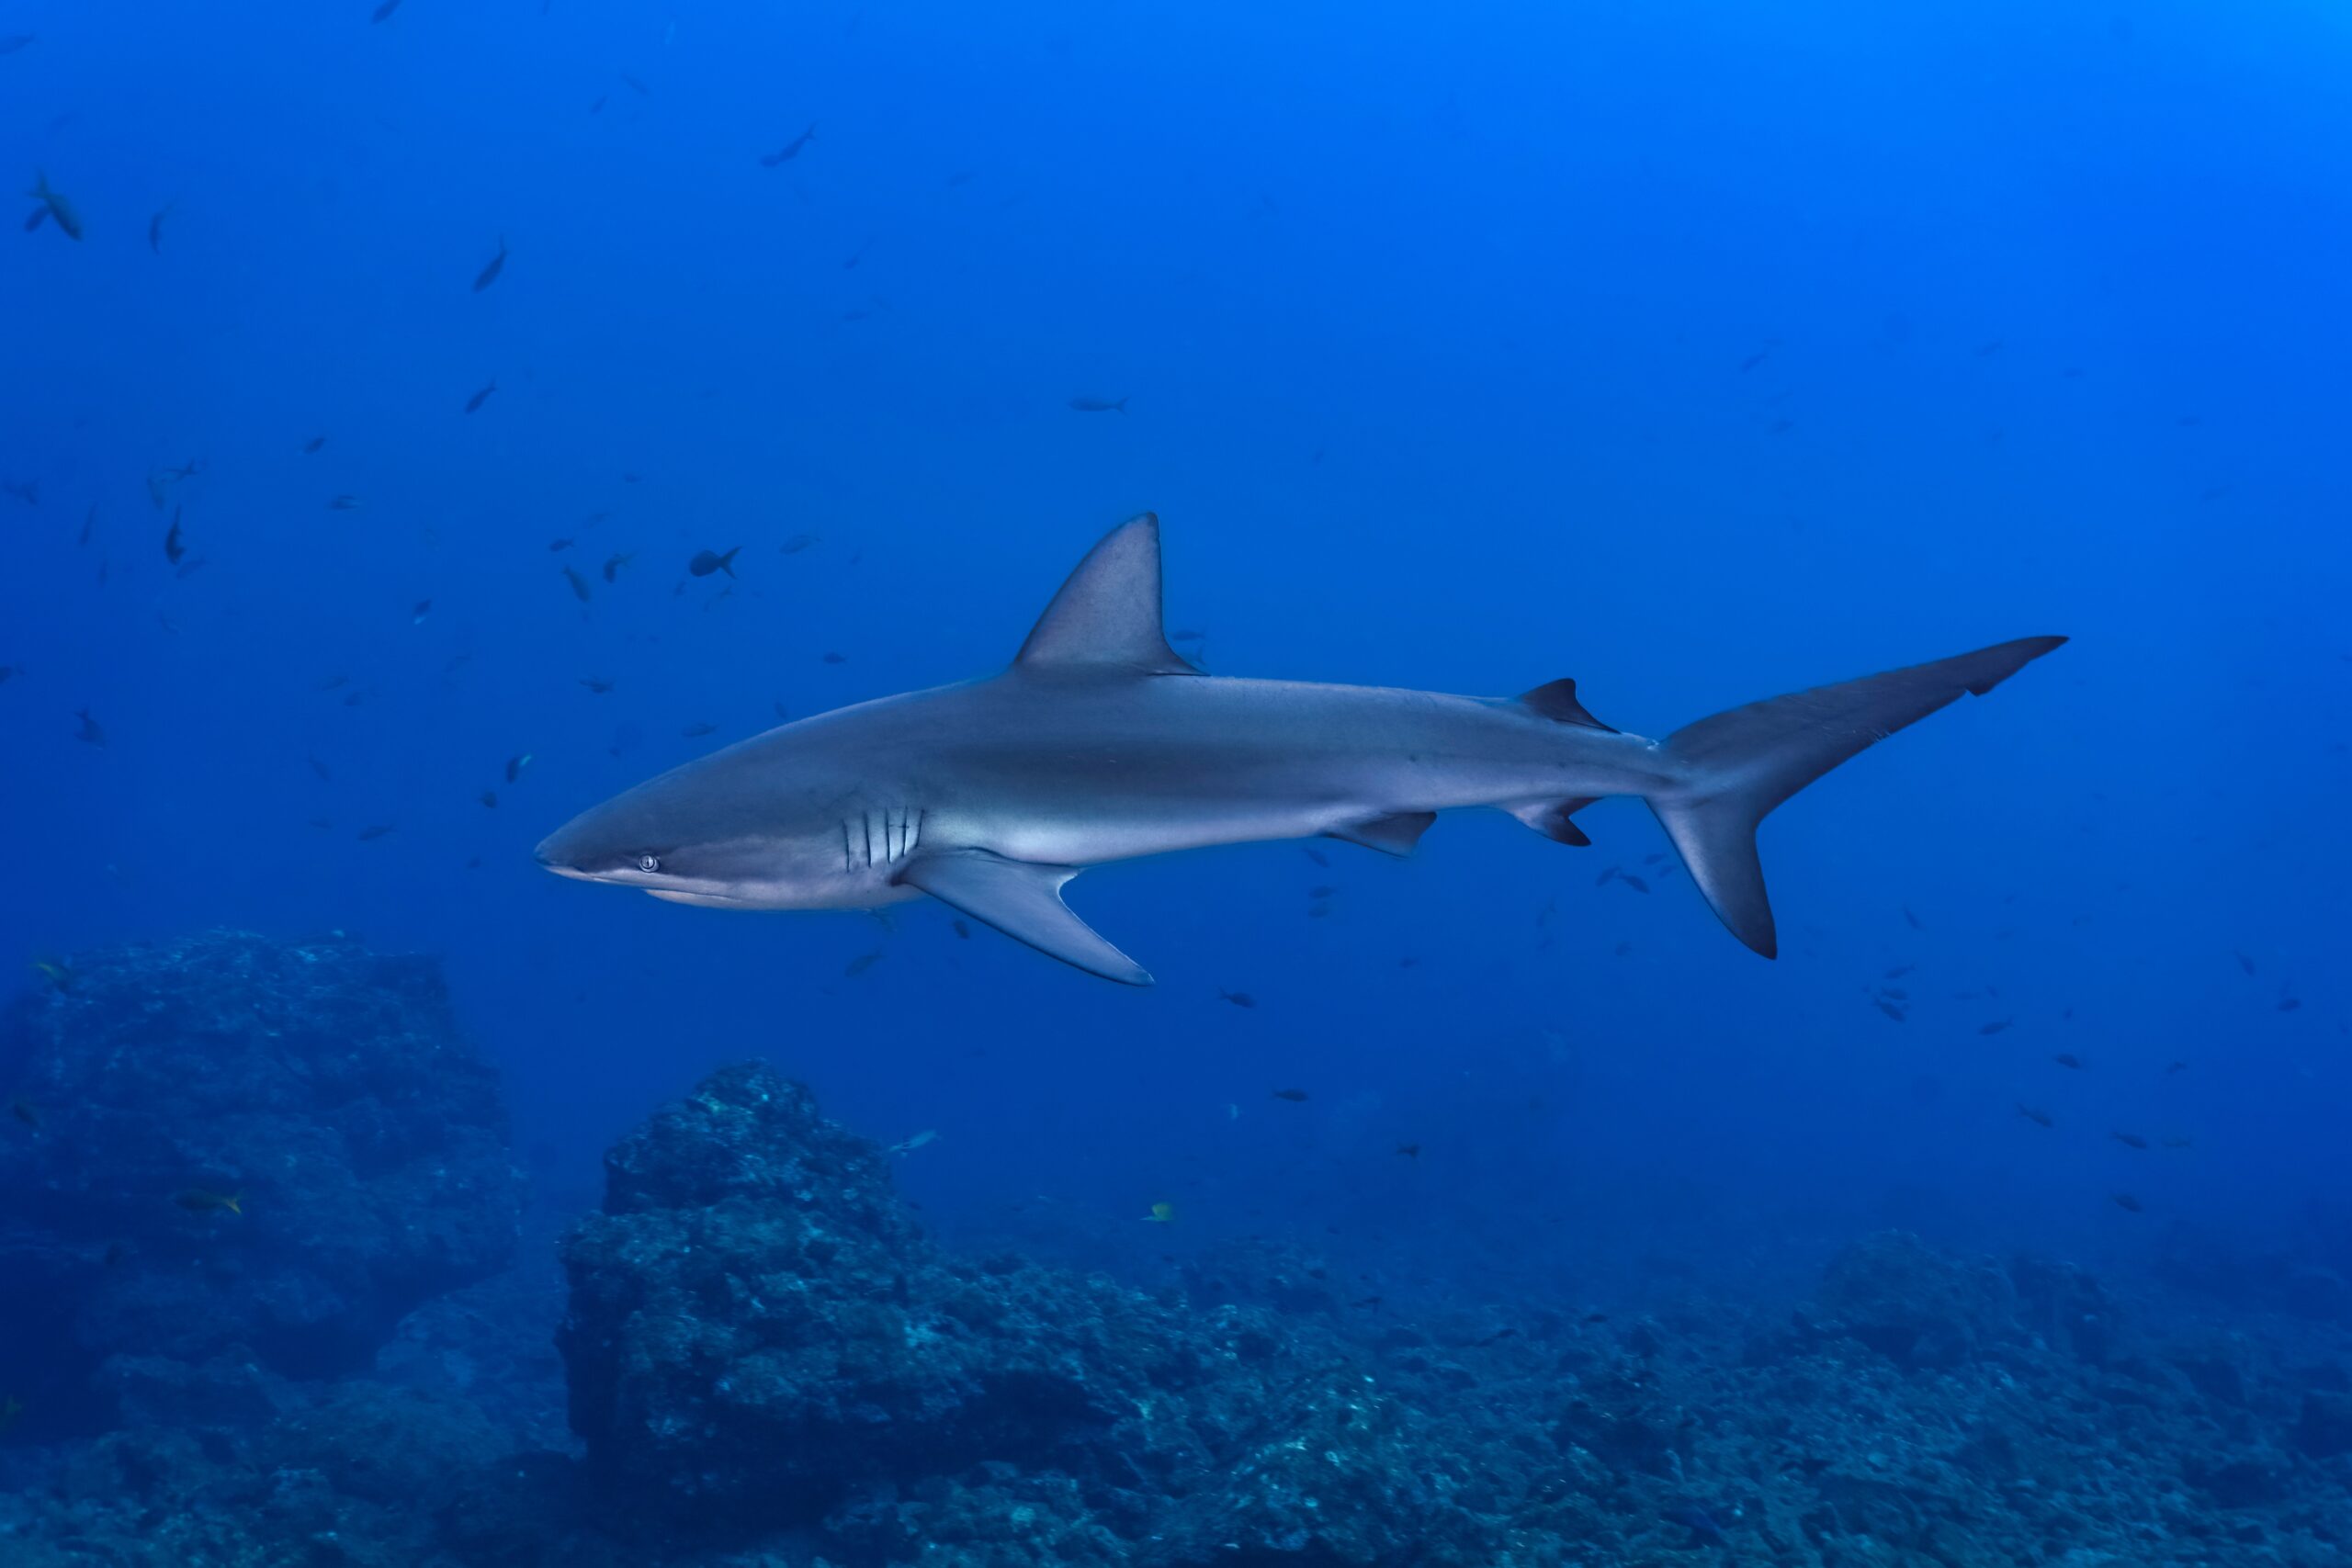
(648, 862)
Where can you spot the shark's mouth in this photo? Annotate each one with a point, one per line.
(707, 900)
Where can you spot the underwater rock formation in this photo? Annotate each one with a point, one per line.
(758, 1339)
(229, 1158)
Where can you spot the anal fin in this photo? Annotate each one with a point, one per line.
(1554, 820)
(1024, 900)
(1396, 834)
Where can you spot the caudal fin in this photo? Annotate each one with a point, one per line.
(1742, 763)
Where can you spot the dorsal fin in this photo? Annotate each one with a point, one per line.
(1107, 614)
(1556, 700)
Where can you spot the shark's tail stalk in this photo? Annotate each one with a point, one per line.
(1743, 763)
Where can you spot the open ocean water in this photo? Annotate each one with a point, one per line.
(424, 422)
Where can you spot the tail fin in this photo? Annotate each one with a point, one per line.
(1743, 763)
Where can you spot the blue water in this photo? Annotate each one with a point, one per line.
(1700, 352)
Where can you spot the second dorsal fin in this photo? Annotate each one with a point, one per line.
(1556, 700)
(1106, 616)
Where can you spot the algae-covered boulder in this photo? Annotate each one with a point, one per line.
(759, 1340)
(234, 1147)
(1914, 1305)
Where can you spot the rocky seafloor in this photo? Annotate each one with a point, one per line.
(753, 1355)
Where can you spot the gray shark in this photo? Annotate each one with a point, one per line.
(1101, 744)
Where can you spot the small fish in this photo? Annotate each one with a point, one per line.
(319, 768)
(418, 610)
(2038, 1118)
(2124, 1201)
(2175, 1142)
(174, 548)
(2290, 1004)
(918, 1141)
(370, 834)
(1497, 1338)
(1608, 874)
(2069, 1060)
(860, 965)
(515, 764)
(384, 12)
(1895, 993)
(11, 43)
(1292, 1095)
(1635, 883)
(198, 1201)
(333, 681)
(2171, 1067)
(1316, 855)
(24, 1111)
(491, 268)
(25, 491)
(1410, 1151)
(596, 685)
(1755, 360)
(790, 150)
(1697, 1521)
(56, 973)
(1891, 1010)
(634, 86)
(798, 543)
(2129, 1140)
(963, 929)
(488, 797)
(1099, 405)
(8, 670)
(696, 731)
(1899, 971)
(60, 211)
(35, 219)
(1162, 1213)
(155, 229)
(311, 447)
(612, 565)
(92, 732)
(1912, 919)
(2244, 962)
(578, 584)
(1994, 1027)
(1371, 1302)
(708, 561)
(1239, 998)
(481, 396)
(344, 503)
(832, 658)
(556, 547)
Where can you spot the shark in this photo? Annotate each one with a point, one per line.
(1099, 743)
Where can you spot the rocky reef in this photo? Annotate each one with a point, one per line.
(231, 1157)
(767, 1363)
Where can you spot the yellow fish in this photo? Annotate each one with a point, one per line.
(196, 1200)
(1162, 1214)
(59, 975)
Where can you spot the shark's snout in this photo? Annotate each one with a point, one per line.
(556, 856)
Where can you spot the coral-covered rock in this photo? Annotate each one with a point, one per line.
(229, 1146)
(758, 1339)
(1916, 1306)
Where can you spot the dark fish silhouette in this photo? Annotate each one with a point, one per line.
(1099, 405)
(156, 230)
(578, 584)
(1239, 998)
(2129, 1140)
(172, 547)
(596, 685)
(1888, 1007)
(2038, 1118)
(312, 445)
(60, 211)
(92, 732)
(384, 12)
(694, 731)
(790, 150)
(491, 268)
(860, 965)
(612, 565)
(375, 832)
(35, 219)
(1292, 1095)
(708, 561)
(1410, 1151)
(2125, 1200)
(1994, 1027)
(2068, 1059)
(481, 397)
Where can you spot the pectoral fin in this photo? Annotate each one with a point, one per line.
(1395, 835)
(1024, 901)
